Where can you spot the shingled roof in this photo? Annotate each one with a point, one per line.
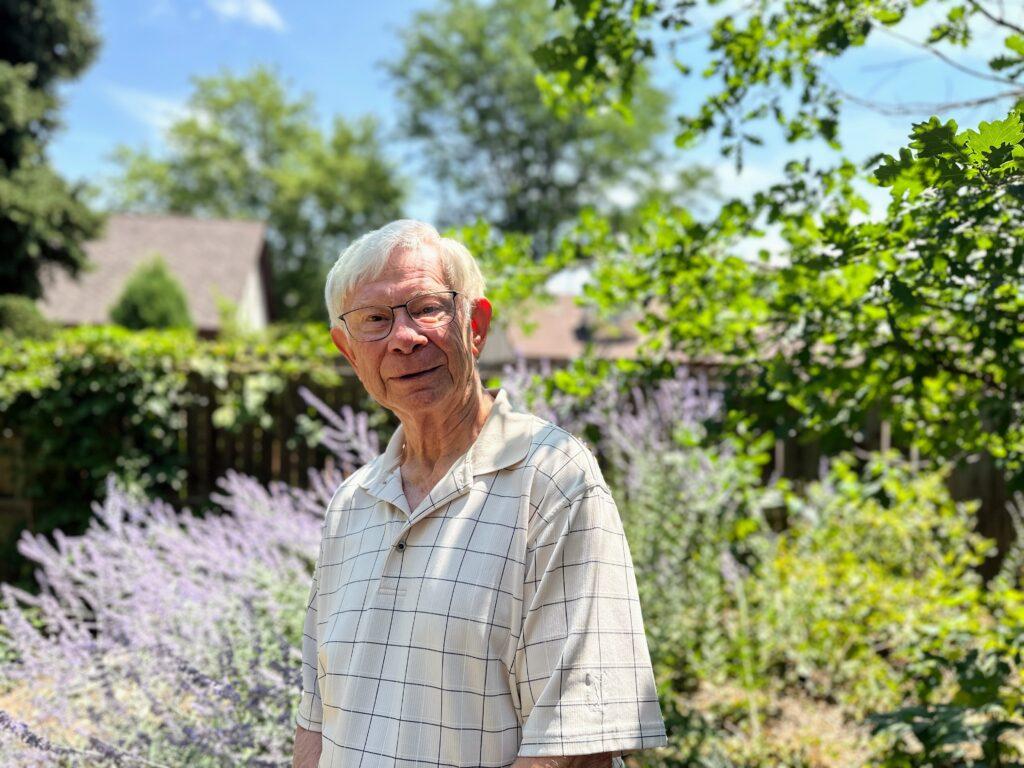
(562, 328)
(207, 256)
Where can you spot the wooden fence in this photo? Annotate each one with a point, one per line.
(280, 453)
(276, 453)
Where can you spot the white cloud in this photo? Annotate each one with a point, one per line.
(259, 13)
(156, 112)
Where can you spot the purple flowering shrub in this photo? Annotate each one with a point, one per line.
(628, 422)
(162, 638)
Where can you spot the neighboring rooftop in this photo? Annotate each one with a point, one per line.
(561, 330)
(209, 257)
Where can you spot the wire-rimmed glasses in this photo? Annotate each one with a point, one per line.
(427, 312)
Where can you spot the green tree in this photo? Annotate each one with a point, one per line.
(766, 60)
(917, 316)
(468, 88)
(247, 149)
(152, 298)
(43, 219)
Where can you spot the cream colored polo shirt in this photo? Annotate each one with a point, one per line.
(499, 618)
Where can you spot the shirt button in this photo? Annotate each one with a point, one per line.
(400, 545)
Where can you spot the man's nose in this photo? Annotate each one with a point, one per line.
(405, 336)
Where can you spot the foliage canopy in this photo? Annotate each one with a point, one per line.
(468, 87)
(767, 60)
(917, 315)
(914, 315)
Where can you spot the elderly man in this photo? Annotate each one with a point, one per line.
(473, 602)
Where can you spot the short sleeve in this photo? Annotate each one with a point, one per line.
(582, 668)
(310, 714)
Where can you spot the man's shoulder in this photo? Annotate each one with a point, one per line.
(564, 465)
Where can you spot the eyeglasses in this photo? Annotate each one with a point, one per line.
(427, 312)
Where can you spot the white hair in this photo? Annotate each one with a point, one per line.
(366, 258)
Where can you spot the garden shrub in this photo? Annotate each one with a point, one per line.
(966, 709)
(874, 568)
(877, 567)
(152, 298)
(977, 724)
(20, 317)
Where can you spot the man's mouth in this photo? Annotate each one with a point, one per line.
(417, 375)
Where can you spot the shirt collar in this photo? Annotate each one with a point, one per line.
(503, 440)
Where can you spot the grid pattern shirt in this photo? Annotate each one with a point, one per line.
(500, 618)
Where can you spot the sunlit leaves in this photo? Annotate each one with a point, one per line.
(915, 316)
(1010, 64)
(766, 60)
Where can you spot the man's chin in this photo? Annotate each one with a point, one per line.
(406, 395)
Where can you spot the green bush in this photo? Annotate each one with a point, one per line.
(20, 316)
(977, 724)
(968, 700)
(686, 510)
(151, 298)
(876, 568)
(689, 507)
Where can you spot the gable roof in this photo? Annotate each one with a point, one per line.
(561, 329)
(206, 256)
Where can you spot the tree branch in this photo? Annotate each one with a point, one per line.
(998, 20)
(916, 108)
(942, 56)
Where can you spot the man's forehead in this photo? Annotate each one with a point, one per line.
(406, 272)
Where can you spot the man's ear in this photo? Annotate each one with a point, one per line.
(480, 324)
(343, 343)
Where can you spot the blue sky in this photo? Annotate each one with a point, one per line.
(333, 50)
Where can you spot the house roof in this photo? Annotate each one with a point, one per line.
(561, 331)
(562, 328)
(207, 256)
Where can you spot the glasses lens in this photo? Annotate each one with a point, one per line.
(369, 323)
(432, 310)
